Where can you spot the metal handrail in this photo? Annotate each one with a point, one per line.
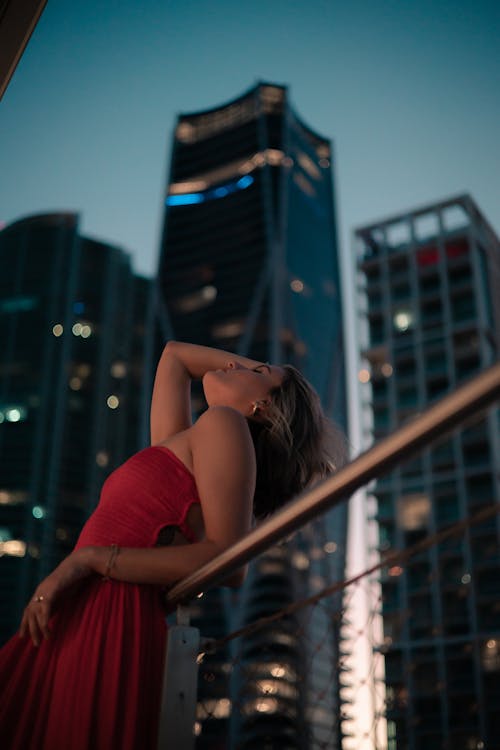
(447, 413)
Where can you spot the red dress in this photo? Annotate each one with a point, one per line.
(96, 683)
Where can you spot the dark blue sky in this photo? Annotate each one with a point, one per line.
(408, 91)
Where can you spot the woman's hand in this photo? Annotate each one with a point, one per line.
(36, 616)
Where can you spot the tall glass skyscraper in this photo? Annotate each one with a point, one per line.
(249, 263)
(71, 385)
(432, 281)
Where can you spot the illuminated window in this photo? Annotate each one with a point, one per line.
(118, 369)
(274, 156)
(276, 687)
(188, 186)
(403, 320)
(75, 383)
(296, 285)
(213, 708)
(261, 705)
(17, 304)
(214, 193)
(317, 583)
(303, 183)
(271, 567)
(395, 571)
(81, 328)
(195, 300)
(300, 348)
(102, 459)
(413, 511)
(300, 560)
(185, 132)
(490, 655)
(13, 413)
(308, 166)
(86, 331)
(12, 497)
(316, 553)
(83, 370)
(229, 329)
(204, 125)
(272, 99)
(13, 547)
(386, 370)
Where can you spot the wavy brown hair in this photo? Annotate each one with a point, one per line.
(295, 445)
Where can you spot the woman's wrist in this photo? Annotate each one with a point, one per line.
(95, 558)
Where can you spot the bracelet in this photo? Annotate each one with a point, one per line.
(111, 561)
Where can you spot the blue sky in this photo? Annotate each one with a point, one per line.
(408, 91)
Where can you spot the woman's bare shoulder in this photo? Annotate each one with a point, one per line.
(223, 432)
(217, 416)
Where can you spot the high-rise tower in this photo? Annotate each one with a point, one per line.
(432, 280)
(71, 384)
(249, 263)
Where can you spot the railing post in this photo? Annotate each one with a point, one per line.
(179, 696)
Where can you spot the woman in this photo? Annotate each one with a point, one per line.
(86, 672)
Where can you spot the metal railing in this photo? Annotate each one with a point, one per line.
(451, 411)
(434, 422)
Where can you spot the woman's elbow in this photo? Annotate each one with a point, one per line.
(170, 347)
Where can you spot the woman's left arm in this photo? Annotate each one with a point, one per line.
(224, 468)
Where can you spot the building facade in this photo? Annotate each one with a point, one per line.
(72, 325)
(431, 281)
(249, 263)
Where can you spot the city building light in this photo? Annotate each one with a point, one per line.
(296, 285)
(212, 194)
(364, 375)
(403, 320)
(113, 401)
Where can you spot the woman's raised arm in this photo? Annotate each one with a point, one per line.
(179, 364)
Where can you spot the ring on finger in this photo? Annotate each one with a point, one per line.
(39, 598)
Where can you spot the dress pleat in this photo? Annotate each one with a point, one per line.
(95, 684)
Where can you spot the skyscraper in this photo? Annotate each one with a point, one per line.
(249, 263)
(71, 390)
(431, 279)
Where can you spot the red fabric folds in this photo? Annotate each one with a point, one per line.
(96, 683)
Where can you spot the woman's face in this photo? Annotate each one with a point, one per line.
(241, 387)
